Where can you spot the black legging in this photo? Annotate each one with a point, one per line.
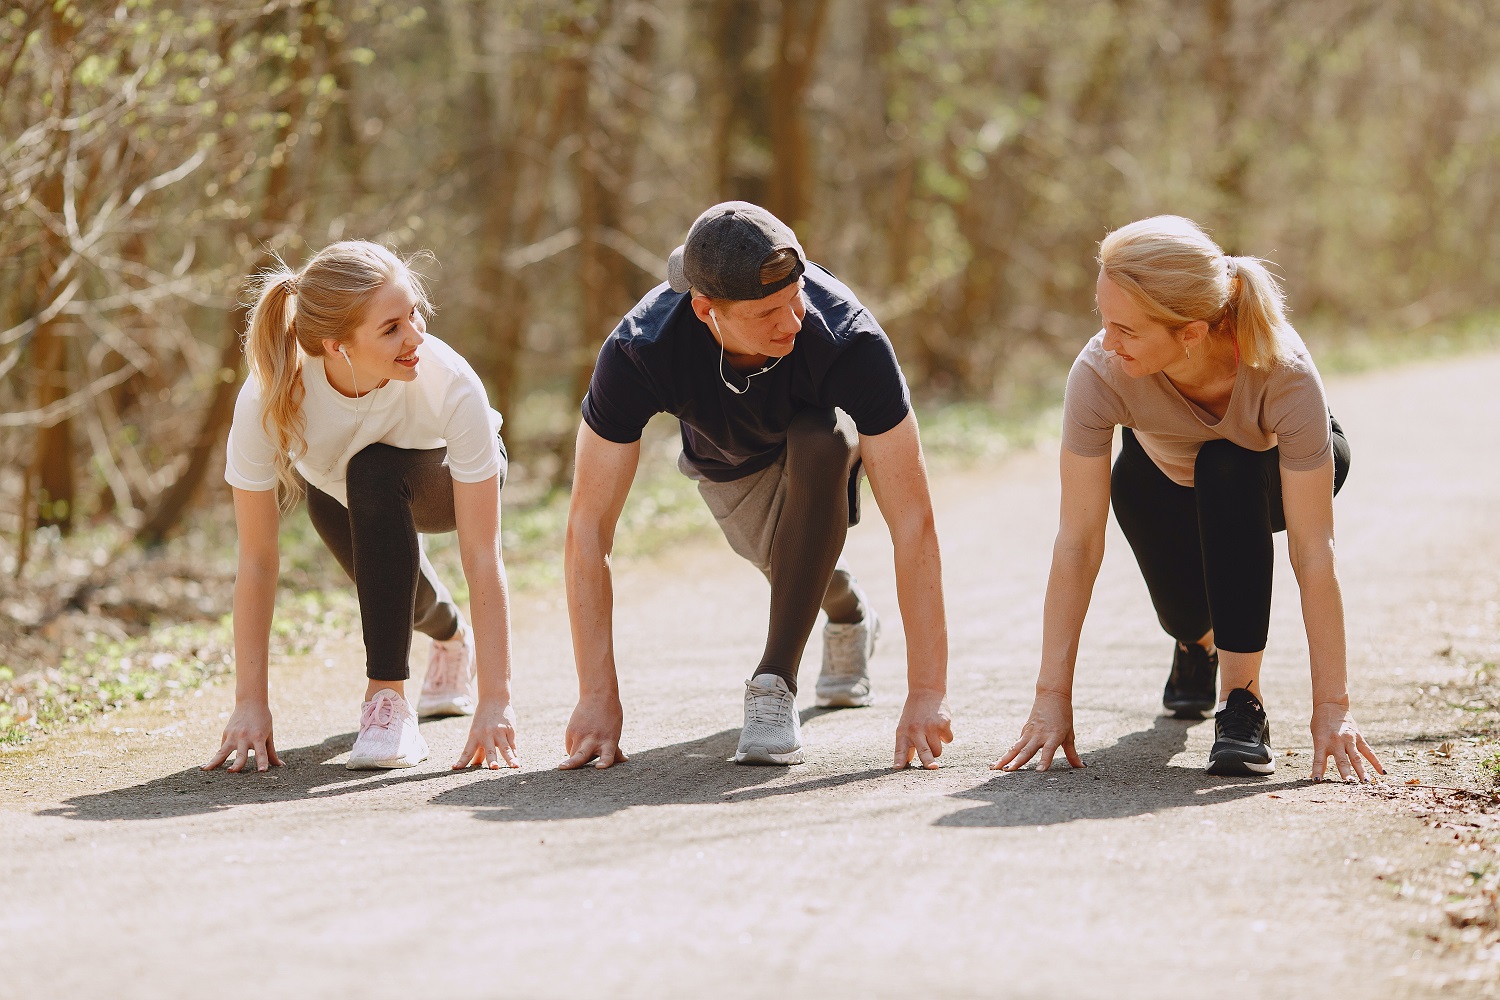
(394, 493)
(1205, 550)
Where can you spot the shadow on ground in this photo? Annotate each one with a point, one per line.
(689, 773)
(1130, 778)
(693, 772)
(307, 774)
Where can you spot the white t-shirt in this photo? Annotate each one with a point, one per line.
(444, 406)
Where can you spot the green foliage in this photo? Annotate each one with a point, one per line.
(108, 674)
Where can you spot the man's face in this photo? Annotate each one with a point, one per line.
(765, 327)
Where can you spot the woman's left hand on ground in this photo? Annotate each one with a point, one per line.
(492, 738)
(1336, 734)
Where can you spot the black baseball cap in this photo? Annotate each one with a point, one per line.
(725, 249)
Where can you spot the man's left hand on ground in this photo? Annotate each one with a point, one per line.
(924, 727)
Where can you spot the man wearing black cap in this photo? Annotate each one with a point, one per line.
(785, 388)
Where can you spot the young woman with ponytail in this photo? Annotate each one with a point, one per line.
(1227, 439)
(388, 433)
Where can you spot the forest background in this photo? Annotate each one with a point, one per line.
(955, 161)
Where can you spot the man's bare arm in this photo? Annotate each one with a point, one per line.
(898, 477)
(603, 472)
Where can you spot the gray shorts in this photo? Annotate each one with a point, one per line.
(749, 509)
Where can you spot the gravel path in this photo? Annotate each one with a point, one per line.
(125, 872)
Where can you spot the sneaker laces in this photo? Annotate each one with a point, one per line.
(768, 706)
(845, 643)
(378, 713)
(1192, 662)
(446, 664)
(1243, 718)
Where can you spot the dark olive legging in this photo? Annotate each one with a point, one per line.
(1205, 550)
(394, 493)
(820, 456)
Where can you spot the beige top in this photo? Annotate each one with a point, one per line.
(1283, 407)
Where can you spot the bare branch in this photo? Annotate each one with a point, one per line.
(69, 405)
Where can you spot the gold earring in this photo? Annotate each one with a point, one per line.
(1187, 352)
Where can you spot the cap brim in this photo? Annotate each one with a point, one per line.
(676, 276)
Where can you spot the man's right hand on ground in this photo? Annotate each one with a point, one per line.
(594, 734)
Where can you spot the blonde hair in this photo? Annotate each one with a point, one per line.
(1177, 274)
(293, 314)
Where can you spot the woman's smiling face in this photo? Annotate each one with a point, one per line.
(1140, 344)
(384, 344)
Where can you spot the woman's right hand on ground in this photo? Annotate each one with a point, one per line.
(249, 728)
(1335, 734)
(594, 733)
(1050, 727)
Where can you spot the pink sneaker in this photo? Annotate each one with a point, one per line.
(388, 734)
(450, 687)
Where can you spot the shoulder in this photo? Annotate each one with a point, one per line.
(838, 309)
(1294, 373)
(652, 322)
(444, 358)
(1092, 370)
(1094, 394)
(250, 402)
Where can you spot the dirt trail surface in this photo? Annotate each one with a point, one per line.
(125, 872)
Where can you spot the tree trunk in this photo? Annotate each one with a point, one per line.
(279, 203)
(738, 102)
(51, 473)
(797, 39)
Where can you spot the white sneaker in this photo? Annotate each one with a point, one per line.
(450, 686)
(772, 733)
(388, 734)
(845, 679)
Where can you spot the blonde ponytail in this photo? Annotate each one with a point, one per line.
(1257, 308)
(1177, 275)
(276, 363)
(294, 314)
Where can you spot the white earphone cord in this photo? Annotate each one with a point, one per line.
(720, 337)
(358, 414)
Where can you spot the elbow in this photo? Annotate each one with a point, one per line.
(1081, 552)
(583, 547)
(917, 534)
(258, 565)
(482, 563)
(1313, 563)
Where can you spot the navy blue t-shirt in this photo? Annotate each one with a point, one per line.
(662, 359)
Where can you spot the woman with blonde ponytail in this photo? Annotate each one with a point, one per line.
(388, 433)
(1227, 439)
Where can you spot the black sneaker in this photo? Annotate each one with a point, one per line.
(1242, 738)
(1190, 688)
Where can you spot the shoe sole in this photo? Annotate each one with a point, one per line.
(845, 700)
(442, 709)
(1229, 765)
(760, 755)
(1187, 710)
(368, 764)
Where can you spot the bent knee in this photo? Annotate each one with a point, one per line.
(373, 470)
(816, 441)
(1226, 463)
